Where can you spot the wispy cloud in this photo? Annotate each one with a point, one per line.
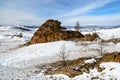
(23, 11)
(35, 12)
(93, 20)
(9, 16)
(89, 7)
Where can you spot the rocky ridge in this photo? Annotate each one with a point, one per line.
(51, 30)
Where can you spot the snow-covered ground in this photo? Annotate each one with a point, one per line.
(20, 62)
(105, 33)
(111, 72)
(8, 31)
(47, 52)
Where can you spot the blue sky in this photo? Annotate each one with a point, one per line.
(36, 12)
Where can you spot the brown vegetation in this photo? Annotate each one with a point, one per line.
(114, 40)
(77, 66)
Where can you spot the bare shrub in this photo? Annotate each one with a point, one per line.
(84, 44)
(63, 55)
(112, 37)
(101, 46)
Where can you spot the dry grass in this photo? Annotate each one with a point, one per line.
(57, 68)
(114, 40)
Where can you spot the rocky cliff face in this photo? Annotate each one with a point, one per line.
(52, 31)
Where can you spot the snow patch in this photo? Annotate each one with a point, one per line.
(2, 37)
(90, 60)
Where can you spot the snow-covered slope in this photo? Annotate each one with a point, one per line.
(19, 62)
(105, 33)
(9, 43)
(8, 31)
(47, 52)
(111, 72)
(109, 33)
(2, 37)
(39, 54)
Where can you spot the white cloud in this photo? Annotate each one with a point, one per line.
(88, 7)
(93, 20)
(10, 16)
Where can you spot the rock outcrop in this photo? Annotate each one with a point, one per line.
(52, 31)
(88, 37)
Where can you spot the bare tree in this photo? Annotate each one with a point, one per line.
(63, 55)
(112, 37)
(101, 45)
(77, 26)
(20, 35)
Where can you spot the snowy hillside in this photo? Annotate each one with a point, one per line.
(19, 62)
(8, 31)
(103, 33)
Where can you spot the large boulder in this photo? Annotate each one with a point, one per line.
(52, 31)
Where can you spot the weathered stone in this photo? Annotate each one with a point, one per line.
(52, 31)
(95, 35)
(88, 37)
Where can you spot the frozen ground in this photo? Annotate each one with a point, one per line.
(47, 52)
(105, 33)
(20, 62)
(111, 72)
(9, 43)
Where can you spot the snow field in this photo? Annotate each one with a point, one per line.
(20, 63)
